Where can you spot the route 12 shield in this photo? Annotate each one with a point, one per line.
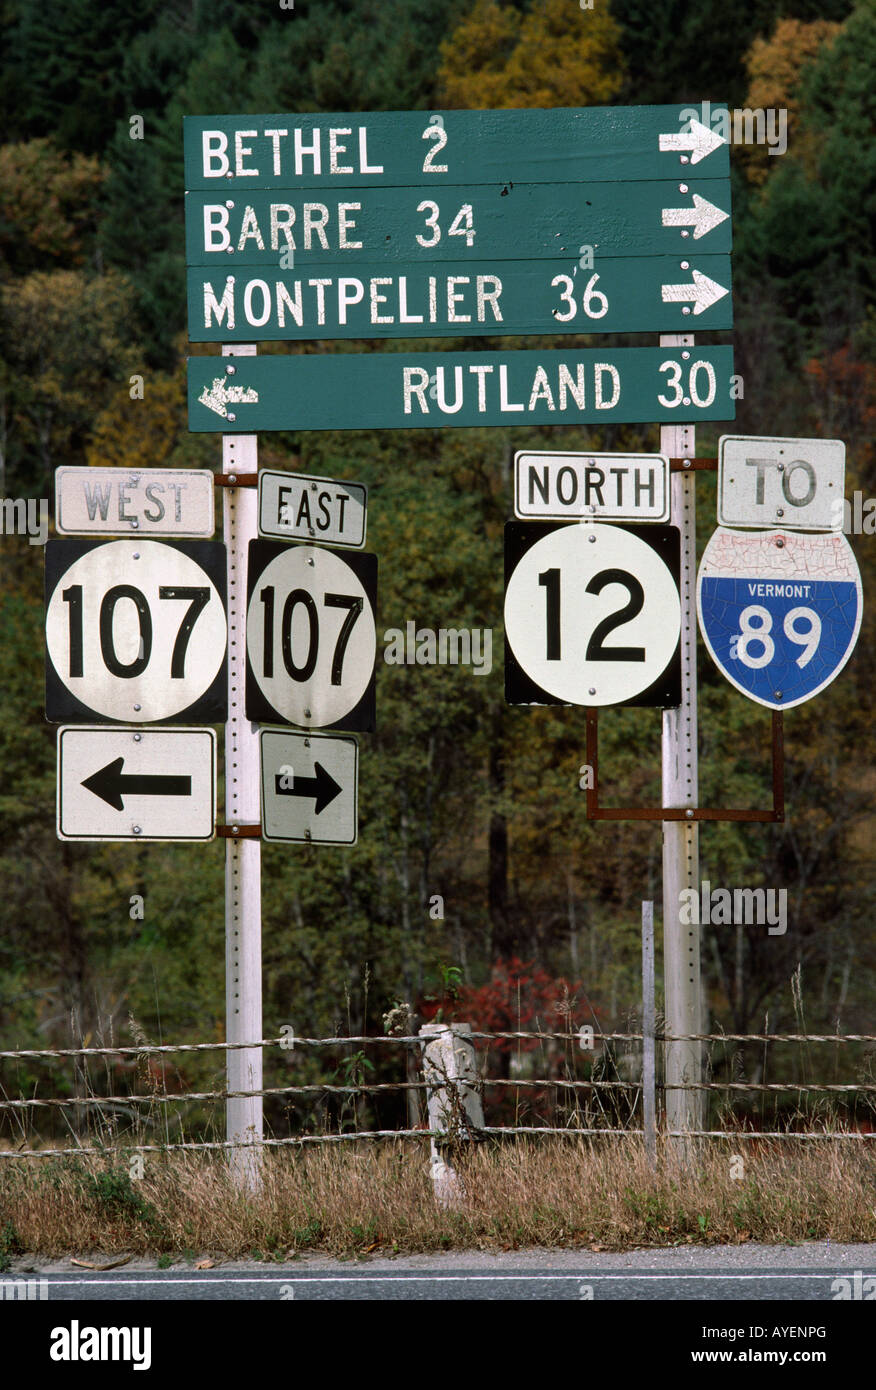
(136, 632)
(592, 614)
(779, 611)
(311, 636)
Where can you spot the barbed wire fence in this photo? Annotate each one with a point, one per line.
(829, 1128)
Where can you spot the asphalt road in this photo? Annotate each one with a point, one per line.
(719, 1273)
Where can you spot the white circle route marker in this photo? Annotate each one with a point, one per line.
(592, 612)
(779, 611)
(311, 636)
(135, 631)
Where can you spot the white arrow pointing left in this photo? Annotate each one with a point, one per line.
(219, 395)
(702, 293)
(699, 142)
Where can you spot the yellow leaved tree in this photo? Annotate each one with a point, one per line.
(556, 54)
(774, 68)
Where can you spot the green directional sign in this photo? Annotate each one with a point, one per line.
(349, 391)
(499, 221)
(636, 295)
(385, 149)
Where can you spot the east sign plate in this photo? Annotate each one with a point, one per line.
(779, 611)
(138, 501)
(302, 507)
(136, 631)
(311, 638)
(592, 614)
(792, 483)
(309, 787)
(136, 784)
(595, 487)
(358, 391)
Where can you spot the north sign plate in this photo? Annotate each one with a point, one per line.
(779, 611)
(309, 787)
(302, 507)
(592, 614)
(387, 149)
(141, 501)
(475, 299)
(136, 631)
(136, 784)
(311, 638)
(792, 483)
(594, 487)
(360, 391)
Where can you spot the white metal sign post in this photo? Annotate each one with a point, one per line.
(243, 894)
(681, 845)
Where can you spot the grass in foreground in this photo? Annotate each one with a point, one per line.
(351, 1200)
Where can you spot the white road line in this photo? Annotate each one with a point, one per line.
(426, 1278)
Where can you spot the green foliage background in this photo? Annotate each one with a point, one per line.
(460, 795)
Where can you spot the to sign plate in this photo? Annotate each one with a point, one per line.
(135, 631)
(311, 638)
(136, 784)
(779, 612)
(145, 501)
(592, 614)
(607, 487)
(309, 787)
(301, 507)
(422, 390)
(797, 484)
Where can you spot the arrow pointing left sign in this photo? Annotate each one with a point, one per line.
(136, 784)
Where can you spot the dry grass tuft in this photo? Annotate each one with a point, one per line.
(549, 1192)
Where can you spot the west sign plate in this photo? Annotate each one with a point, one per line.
(311, 638)
(779, 611)
(135, 631)
(592, 614)
(137, 501)
(309, 787)
(607, 487)
(791, 483)
(136, 784)
(300, 507)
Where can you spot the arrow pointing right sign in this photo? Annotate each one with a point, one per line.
(309, 787)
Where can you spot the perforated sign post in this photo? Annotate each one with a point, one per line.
(780, 612)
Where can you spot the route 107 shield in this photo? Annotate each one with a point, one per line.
(311, 638)
(592, 614)
(779, 611)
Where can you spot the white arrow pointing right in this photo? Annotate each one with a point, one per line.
(702, 293)
(699, 142)
(703, 217)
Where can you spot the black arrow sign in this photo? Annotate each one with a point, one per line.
(110, 785)
(322, 786)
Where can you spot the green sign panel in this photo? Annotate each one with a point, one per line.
(385, 149)
(480, 298)
(502, 221)
(349, 391)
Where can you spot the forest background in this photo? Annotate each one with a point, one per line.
(460, 795)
